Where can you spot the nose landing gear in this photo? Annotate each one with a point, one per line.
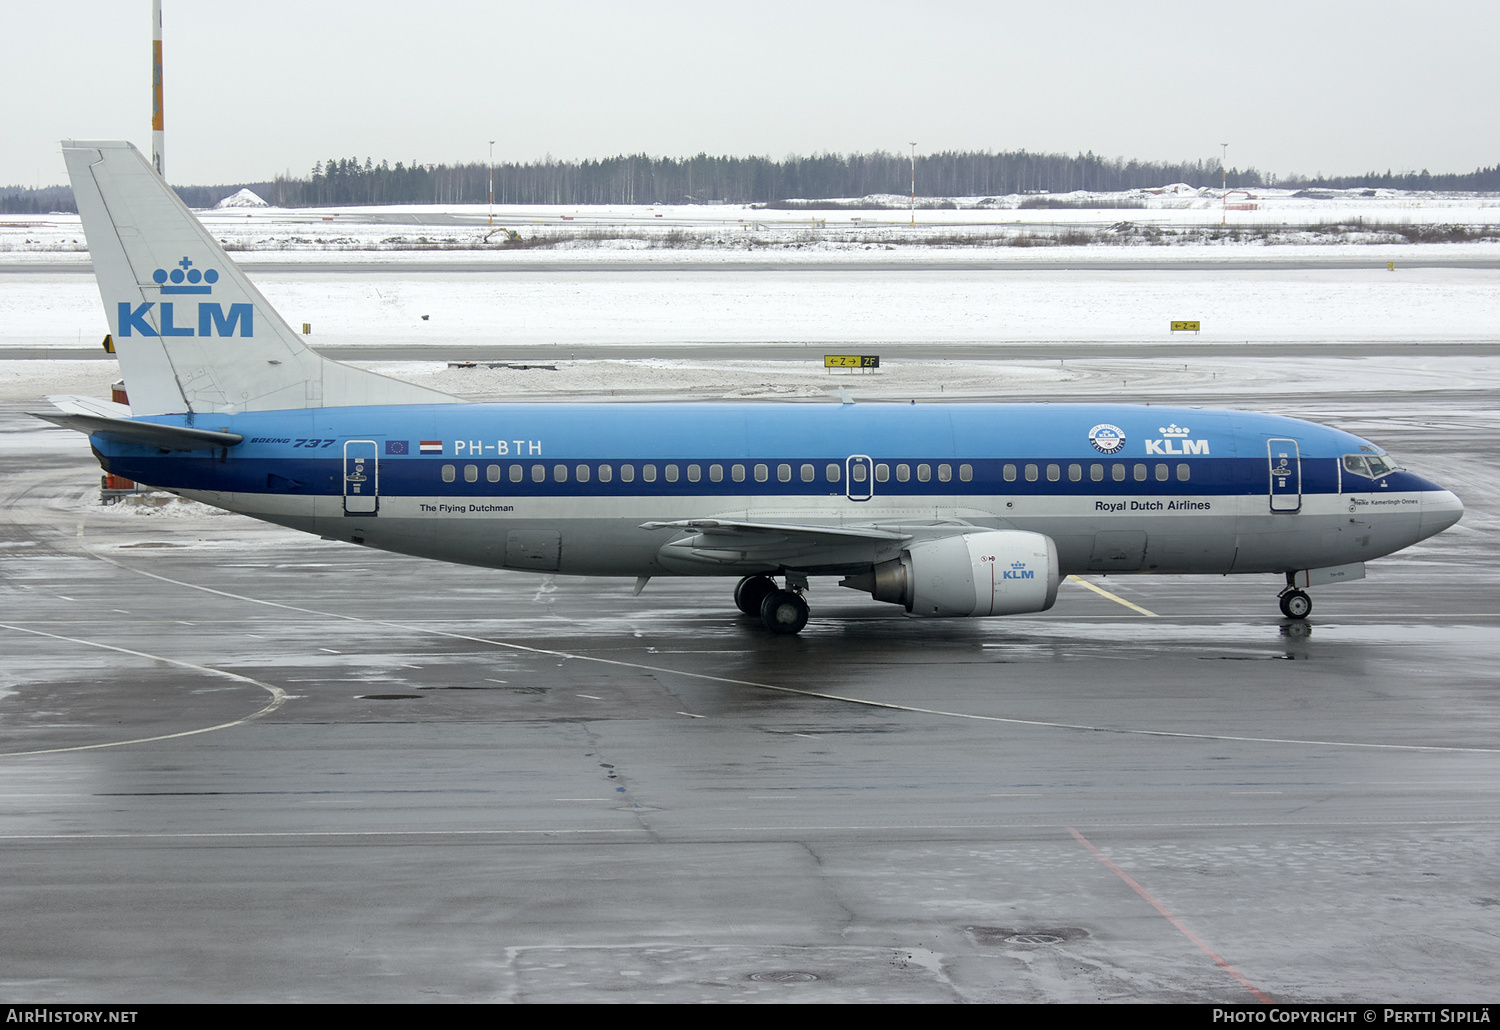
(1295, 604)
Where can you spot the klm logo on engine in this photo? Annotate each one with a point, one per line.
(1018, 570)
(1176, 442)
(212, 319)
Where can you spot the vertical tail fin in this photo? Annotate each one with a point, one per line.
(191, 332)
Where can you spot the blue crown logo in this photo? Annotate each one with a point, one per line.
(196, 281)
(1174, 430)
(1018, 565)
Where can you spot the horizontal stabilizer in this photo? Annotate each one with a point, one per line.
(150, 434)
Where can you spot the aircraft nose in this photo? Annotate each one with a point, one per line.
(1440, 509)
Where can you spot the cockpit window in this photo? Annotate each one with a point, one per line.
(1371, 466)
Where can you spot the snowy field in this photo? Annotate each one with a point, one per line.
(1234, 379)
(539, 308)
(1134, 221)
(823, 298)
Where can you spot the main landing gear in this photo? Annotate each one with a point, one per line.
(1295, 604)
(783, 612)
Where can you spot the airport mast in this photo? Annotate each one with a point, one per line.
(158, 140)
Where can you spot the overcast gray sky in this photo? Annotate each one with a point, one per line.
(253, 89)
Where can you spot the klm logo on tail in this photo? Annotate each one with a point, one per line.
(213, 320)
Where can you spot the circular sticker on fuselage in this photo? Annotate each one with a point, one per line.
(1107, 439)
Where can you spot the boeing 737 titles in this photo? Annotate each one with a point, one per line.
(949, 510)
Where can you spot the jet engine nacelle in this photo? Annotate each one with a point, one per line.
(999, 572)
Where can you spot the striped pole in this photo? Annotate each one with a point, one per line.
(158, 137)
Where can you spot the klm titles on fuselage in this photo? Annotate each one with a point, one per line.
(1176, 442)
(212, 319)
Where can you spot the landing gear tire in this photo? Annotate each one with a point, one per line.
(1295, 604)
(783, 612)
(751, 591)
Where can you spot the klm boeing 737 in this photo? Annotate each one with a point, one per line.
(949, 510)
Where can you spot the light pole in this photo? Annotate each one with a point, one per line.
(492, 184)
(158, 135)
(913, 184)
(1224, 186)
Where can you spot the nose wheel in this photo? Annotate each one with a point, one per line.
(1295, 604)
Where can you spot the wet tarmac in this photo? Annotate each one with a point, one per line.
(240, 764)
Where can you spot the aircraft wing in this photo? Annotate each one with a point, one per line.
(724, 545)
(88, 415)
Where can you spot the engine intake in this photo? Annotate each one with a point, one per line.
(996, 572)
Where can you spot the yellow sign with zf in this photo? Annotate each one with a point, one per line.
(851, 361)
(1184, 327)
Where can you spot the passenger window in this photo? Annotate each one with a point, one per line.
(449, 473)
(1009, 472)
(737, 473)
(924, 473)
(1075, 473)
(1161, 473)
(671, 473)
(762, 473)
(516, 473)
(809, 473)
(471, 473)
(492, 473)
(716, 473)
(1096, 473)
(1184, 472)
(945, 473)
(1054, 473)
(1031, 473)
(1140, 473)
(627, 473)
(882, 473)
(581, 473)
(858, 473)
(560, 473)
(784, 473)
(538, 474)
(605, 473)
(648, 473)
(903, 473)
(1117, 473)
(694, 473)
(966, 473)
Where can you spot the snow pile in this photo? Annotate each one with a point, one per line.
(1177, 189)
(244, 198)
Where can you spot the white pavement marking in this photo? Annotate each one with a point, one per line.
(278, 696)
(865, 702)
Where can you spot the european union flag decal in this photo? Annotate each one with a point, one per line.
(396, 447)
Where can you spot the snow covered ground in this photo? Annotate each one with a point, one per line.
(824, 296)
(1232, 378)
(862, 307)
(1132, 220)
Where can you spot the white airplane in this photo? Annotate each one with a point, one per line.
(945, 509)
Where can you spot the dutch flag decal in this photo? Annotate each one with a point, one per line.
(431, 446)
